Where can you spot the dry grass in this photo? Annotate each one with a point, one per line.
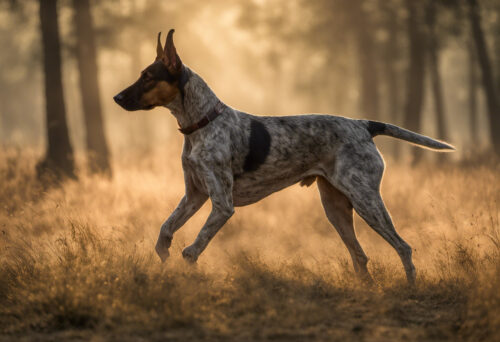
(77, 262)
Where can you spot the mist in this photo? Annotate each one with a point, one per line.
(263, 57)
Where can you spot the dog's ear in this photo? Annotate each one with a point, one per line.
(170, 57)
(159, 48)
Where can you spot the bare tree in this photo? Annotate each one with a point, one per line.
(433, 50)
(416, 70)
(367, 59)
(496, 42)
(58, 161)
(97, 147)
(487, 74)
(473, 77)
(391, 56)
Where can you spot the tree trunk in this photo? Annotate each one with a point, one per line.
(391, 57)
(58, 161)
(366, 53)
(97, 148)
(416, 70)
(435, 75)
(496, 46)
(472, 94)
(487, 74)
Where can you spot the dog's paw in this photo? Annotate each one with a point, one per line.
(162, 252)
(162, 246)
(190, 254)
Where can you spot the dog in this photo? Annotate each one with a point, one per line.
(237, 159)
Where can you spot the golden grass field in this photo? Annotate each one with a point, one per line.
(77, 262)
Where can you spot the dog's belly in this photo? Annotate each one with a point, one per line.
(251, 188)
(245, 193)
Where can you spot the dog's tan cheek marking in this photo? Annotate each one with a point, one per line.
(160, 95)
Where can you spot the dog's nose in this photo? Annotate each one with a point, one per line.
(118, 98)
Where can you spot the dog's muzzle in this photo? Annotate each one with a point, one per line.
(126, 102)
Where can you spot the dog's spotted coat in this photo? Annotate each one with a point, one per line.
(238, 159)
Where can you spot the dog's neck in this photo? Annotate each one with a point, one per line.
(198, 101)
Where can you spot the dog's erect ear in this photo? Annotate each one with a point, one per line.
(170, 57)
(159, 48)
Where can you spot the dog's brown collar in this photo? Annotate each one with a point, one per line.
(211, 116)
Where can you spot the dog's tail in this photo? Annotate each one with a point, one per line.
(380, 128)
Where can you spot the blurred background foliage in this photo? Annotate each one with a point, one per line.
(430, 66)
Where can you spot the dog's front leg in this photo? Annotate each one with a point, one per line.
(188, 206)
(219, 186)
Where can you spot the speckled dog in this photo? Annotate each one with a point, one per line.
(236, 159)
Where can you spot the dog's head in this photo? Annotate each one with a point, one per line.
(158, 84)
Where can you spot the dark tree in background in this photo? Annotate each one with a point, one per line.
(58, 161)
(416, 70)
(473, 77)
(97, 148)
(367, 59)
(433, 52)
(390, 58)
(487, 73)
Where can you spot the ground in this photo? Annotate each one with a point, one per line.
(77, 262)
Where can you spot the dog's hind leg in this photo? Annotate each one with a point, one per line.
(339, 212)
(372, 209)
(358, 173)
